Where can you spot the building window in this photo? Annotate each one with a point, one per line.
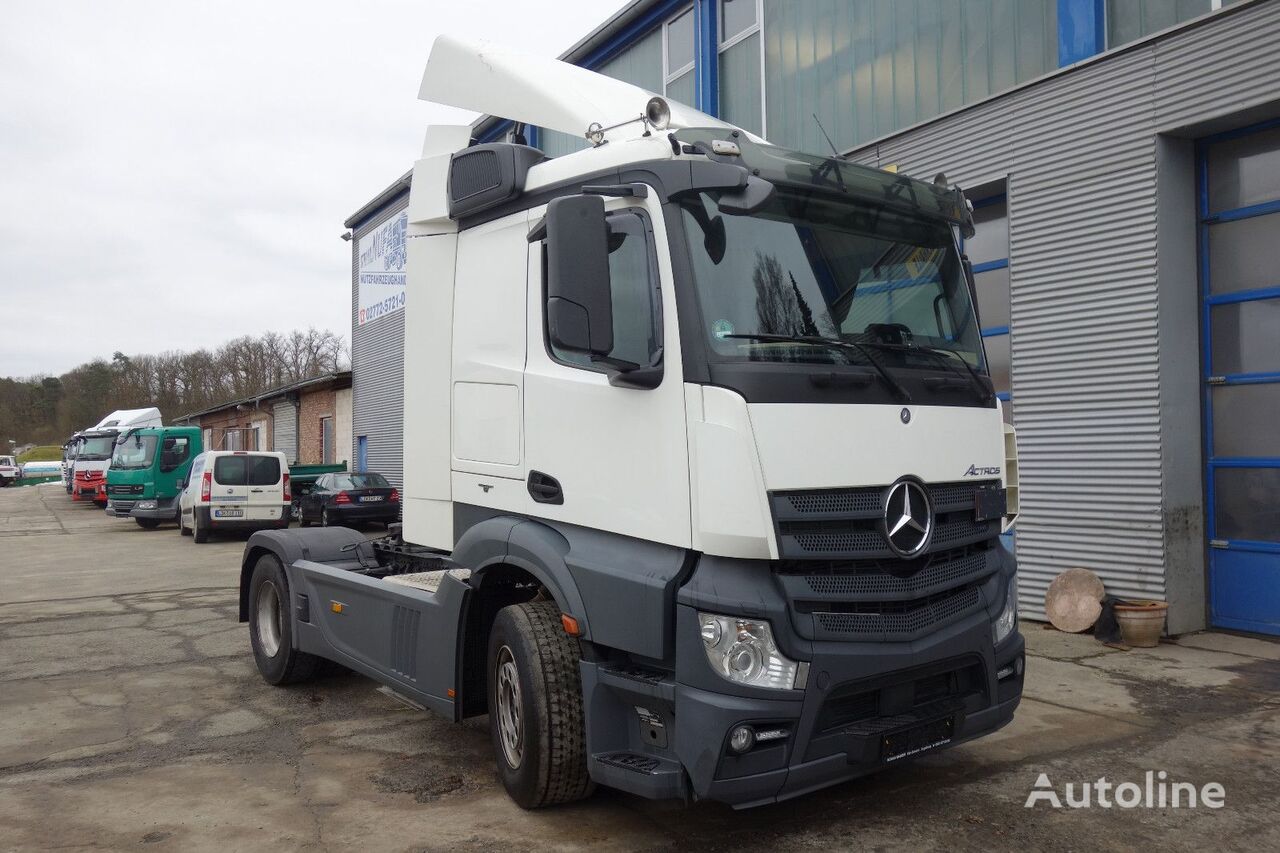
(326, 441)
(872, 67)
(677, 58)
(988, 251)
(741, 64)
(1130, 20)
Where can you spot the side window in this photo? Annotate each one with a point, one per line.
(637, 301)
(175, 452)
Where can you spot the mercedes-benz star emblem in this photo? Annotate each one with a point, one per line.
(908, 518)
(905, 414)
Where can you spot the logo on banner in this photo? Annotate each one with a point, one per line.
(381, 270)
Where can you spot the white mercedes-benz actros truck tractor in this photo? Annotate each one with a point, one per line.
(704, 473)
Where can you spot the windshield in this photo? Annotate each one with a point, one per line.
(809, 265)
(136, 451)
(360, 481)
(95, 448)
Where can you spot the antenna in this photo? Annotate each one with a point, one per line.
(834, 152)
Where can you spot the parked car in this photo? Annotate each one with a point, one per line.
(234, 490)
(344, 499)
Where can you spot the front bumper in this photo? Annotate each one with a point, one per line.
(164, 510)
(868, 701)
(821, 750)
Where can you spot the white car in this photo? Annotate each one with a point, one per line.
(234, 490)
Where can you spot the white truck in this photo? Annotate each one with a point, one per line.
(704, 473)
(95, 446)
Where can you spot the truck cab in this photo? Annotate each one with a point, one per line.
(9, 471)
(705, 478)
(146, 469)
(96, 446)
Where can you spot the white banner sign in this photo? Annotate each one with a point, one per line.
(381, 269)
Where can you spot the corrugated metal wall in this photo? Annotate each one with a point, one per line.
(377, 370)
(284, 438)
(1079, 153)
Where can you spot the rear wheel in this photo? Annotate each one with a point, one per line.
(325, 519)
(271, 629)
(148, 523)
(535, 707)
(198, 532)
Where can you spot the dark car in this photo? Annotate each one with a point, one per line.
(347, 499)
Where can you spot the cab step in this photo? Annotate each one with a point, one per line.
(639, 680)
(646, 775)
(428, 581)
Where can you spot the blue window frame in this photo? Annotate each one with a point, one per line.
(1241, 383)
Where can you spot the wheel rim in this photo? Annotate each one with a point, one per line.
(324, 518)
(269, 619)
(510, 721)
(296, 512)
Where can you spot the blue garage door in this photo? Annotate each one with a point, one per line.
(1239, 232)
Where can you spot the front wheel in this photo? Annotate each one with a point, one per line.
(271, 629)
(148, 523)
(535, 707)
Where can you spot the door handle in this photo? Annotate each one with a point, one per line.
(256, 491)
(544, 488)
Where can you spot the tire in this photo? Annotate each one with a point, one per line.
(303, 521)
(148, 523)
(541, 751)
(271, 629)
(198, 533)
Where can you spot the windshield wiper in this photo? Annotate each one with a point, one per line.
(984, 392)
(834, 343)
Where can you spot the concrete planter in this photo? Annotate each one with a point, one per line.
(1141, 622)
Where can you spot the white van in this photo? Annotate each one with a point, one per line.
(234, 490)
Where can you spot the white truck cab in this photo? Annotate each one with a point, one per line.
(234, 490)
(95, 447)
(704, 472)
(9, 471)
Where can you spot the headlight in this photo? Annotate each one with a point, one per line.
(145, 505)
(743, 651)
(1008, 617)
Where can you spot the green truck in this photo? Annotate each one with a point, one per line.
(147, 468)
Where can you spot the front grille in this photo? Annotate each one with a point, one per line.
(899, 620)
(124, 490)
(821, 524)
(941, 572)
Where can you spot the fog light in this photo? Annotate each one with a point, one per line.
(741, 739)
(145, 505)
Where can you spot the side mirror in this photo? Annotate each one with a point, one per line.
(579, 299)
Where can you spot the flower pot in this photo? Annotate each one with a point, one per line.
(1141, 622)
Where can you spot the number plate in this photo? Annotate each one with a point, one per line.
(989, 504)
(228, 513)
(914, 741)
(371, 499)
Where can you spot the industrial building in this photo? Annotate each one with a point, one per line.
(1123, 158)
(308, 421)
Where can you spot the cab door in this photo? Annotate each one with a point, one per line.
(599, 455)
(229, 487)
(264, 486)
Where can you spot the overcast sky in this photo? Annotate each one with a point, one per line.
(174, 174)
